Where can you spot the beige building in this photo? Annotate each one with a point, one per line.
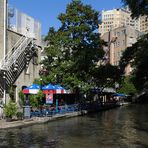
(143, 24)
(20, 50)
(120, 31)
(116, 18)
(118, 40)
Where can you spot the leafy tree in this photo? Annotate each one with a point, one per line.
(127, 86)
(106, 75)
(137, 56)
(75, 48)
(22, 98)
(138, 7)
(36, 100)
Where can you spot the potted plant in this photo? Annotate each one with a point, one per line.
(10, 110)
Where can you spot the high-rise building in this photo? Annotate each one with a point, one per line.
(118, 40)
(143, 21)
(20, 50)
(115, 18)
(120, 31)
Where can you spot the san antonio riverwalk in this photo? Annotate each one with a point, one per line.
(38, 120)
(35, 119)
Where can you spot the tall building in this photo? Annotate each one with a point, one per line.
(118, 40)
(143, 21)
(120, 31)
(20, 50)
(115, 18)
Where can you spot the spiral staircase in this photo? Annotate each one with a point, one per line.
(16, 60)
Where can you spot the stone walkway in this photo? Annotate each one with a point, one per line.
(36, 120)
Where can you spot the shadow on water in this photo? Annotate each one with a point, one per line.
(123, 127)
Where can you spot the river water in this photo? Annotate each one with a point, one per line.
(123, 127)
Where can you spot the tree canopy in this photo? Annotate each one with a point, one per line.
(75, 48)
(138, 7)
(137, 56)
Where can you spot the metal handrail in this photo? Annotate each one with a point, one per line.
(12, 56)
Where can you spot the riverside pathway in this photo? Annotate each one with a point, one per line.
(36, 120)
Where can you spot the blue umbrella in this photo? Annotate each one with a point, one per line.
(32, 89)
(120, 95)
(34, 86)
(49, 87)
(59, 87)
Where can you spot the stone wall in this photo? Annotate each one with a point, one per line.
(28, 75)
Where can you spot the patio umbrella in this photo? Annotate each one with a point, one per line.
(48, 89)
(32, 89)
(59, 89)
(120, 95)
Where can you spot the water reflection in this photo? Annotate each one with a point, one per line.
(122, 127)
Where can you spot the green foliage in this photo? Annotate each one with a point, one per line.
(10, 109)
(138, 7)
(22, 98)
(11, 92)
(36, 100)
(106, 75)
(137, 56)
(75, 48)
(127, 86)
(19, 115)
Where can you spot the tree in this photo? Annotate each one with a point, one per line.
(127, 86)
(138, 7)
(75, 48)
(36, 100)
(106, 75)
(137, 56)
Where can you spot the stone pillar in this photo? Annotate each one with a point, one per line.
(3, 40)
(3, 27)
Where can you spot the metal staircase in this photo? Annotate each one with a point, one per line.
(16, 60)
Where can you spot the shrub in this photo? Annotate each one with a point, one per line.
(22, 98)
(19, 115)
(10, 109)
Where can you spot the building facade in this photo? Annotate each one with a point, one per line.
(120, 31)
(119, 39)
(143, 24)
(115, 18)
(20, 51)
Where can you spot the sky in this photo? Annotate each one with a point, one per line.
(47, 11)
